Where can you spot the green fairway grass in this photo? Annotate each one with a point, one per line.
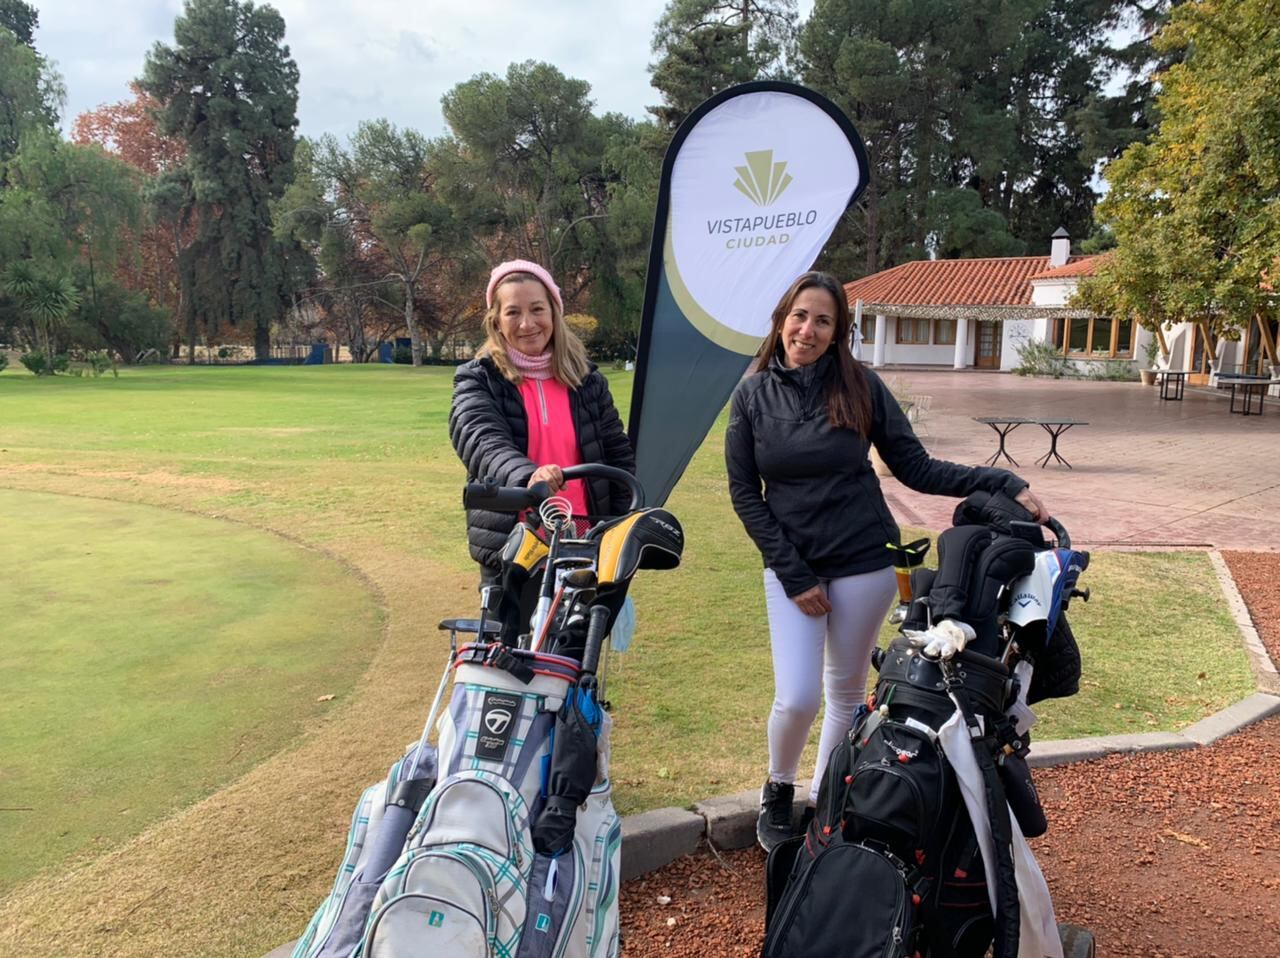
(150, 657)
(356, 461)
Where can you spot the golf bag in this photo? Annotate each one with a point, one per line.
(502, 839)
(919, 836)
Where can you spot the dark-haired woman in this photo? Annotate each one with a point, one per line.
(800, 431)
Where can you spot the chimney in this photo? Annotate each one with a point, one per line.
(1059, 247)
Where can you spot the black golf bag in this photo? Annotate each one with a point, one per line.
(893, 863)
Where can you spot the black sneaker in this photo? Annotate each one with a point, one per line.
(806, 819)
(774, 824)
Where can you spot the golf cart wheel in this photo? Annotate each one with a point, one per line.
(1077, 942)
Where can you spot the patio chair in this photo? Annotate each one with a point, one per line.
(918, 413)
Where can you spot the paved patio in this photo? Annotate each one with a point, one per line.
(1146, 472)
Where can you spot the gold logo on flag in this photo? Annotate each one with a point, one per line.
(762, 181)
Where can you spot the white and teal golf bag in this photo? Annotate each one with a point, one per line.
(467, 882)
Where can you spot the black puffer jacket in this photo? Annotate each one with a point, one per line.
(490, 431)
(806, 491)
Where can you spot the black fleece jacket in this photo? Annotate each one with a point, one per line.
(806, 491)
(490, 431)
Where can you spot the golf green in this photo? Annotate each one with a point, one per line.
(149, 657)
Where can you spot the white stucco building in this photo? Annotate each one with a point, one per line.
(976, 313)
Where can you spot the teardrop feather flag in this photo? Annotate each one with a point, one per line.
(753, 184)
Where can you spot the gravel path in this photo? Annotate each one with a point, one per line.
(1160, 855)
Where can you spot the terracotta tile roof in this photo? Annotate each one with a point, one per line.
(999, 281)
(1076, 266)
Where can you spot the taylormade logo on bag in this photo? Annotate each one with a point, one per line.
(497, 721)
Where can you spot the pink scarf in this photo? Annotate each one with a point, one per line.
(530, 367)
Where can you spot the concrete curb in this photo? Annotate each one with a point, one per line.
(1264, 670)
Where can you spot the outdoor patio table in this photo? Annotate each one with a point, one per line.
(1250, 386)
(1055, 428)
(1002, 426)
(1172, 383)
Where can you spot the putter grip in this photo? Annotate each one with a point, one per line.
(595, 639)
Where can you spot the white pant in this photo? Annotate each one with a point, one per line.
(848, 633)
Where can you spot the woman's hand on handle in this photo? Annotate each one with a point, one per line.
(552, 475)
(1031, 502)
(813, 601)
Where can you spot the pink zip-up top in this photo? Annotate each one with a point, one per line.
(552, 436)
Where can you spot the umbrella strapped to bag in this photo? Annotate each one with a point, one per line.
(572, 773)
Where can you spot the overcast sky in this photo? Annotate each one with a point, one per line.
(362, 59)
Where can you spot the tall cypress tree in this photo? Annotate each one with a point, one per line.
(31, 91)
(229, 88)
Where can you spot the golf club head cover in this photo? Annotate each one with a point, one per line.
(992, 509)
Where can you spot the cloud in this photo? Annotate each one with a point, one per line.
(363, 59)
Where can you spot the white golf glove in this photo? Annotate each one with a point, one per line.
(944, 640)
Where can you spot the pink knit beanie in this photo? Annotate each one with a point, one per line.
(522, 266)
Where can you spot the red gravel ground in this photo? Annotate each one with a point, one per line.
(1160, 855)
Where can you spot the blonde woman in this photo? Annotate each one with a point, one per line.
(530, 405)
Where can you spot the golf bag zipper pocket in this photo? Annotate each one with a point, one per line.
(467, 808)
(415, 924)
(555, 898)
(896, 789)
(464, 880)
(807, 923)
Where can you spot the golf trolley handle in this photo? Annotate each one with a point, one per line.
(489, 494)
(598, 469)
(1059, 531)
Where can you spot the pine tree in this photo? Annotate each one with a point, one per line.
(229, 88)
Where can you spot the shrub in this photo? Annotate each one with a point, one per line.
(94, 365)
(38, 363)
(402, 355)
(1038, 358)
(1151, 351)
(4, 360)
